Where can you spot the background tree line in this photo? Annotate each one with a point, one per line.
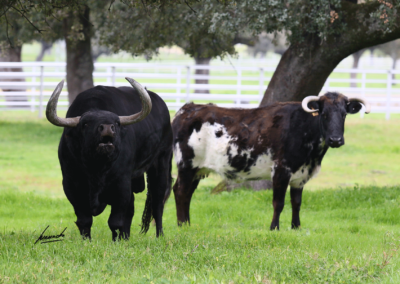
(319, 34)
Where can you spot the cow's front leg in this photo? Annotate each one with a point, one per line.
(280, 182)
(295, 198)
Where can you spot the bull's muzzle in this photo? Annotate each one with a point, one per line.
(106, 130)
(107, 133)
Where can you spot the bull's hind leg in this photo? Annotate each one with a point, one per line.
(280, 182)
(184, 187)
(158, 182)
(295, 198)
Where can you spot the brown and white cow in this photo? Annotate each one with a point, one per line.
(282, 142)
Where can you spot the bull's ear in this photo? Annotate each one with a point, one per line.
(353, 107)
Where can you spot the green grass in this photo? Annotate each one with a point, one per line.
(350, 233)
(347, 236)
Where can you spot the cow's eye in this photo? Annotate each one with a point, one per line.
(85, 125)
(117, 123)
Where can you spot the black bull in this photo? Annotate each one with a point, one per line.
(282, 142)
(112, 136)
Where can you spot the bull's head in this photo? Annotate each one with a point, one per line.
(332, 109)
(100, 129)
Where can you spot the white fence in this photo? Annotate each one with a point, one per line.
(228, 86)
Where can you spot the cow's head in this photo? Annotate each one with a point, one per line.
(332, 109)
(99, 130)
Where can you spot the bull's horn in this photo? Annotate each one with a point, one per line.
(362, 101)
(51, 110)
(305, 102)
(146, 105)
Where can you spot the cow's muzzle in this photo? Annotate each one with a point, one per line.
(335, 142)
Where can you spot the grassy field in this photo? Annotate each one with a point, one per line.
(350, 221)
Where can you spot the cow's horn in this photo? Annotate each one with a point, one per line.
(146, 105)
(362, 101)
(51, 110)
(305, 102)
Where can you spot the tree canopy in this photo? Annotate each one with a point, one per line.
(320, 33)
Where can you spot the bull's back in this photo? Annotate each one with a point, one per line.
(122, 101)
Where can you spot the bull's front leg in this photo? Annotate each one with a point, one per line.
(280, 182)
(295, 198)
(121, 210)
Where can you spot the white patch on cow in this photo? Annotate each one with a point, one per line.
(211, 153)
(177, 153)
(302, 176)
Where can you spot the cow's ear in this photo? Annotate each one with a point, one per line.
(353, 107)
(314, 105)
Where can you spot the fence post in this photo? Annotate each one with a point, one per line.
(108, 75)
(188, 83)
(41, 93)
(388, 93)
(113, 76)
(261, 86)
(363, 83)
(239, 83)
(33, 91)
(178, 88)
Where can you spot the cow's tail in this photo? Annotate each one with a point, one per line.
(147, 214)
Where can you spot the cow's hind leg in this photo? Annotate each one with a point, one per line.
(295, 198)
(158, 182)
(280, 182)
(184, 187)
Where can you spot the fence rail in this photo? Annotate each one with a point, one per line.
(28, 85)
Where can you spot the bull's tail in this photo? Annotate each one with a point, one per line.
(147, 214)
(170, 181)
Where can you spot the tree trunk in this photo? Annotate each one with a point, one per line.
(206, 72)
(79, 53)
(394, 58)
(13, 54)
(356, 61)
(304, 67)
(45, 47)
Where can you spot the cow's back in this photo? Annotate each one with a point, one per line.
(235, 143)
